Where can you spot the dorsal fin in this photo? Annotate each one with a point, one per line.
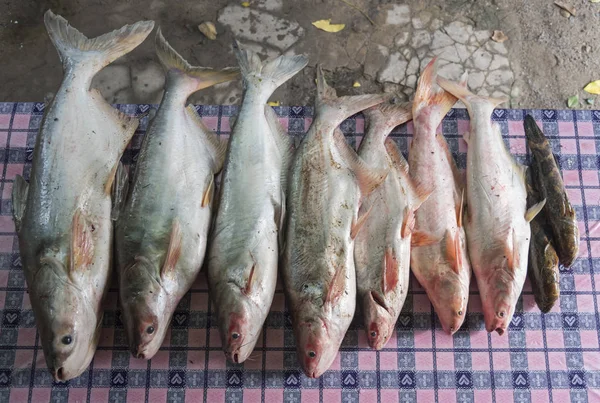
(173, 251)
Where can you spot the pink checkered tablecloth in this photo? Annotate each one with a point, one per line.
(543, 357)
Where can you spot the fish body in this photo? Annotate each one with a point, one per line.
(327, 179)
(439, 258)
(547, 179)
(63, 217)
(497, 218)
(244, 249)
(382, 246)
(542, 269)
(162, 228)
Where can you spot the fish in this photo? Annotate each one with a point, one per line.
(543, 268)
(162, 227)
(497, 218)
(382, 247)
(245, 242)
(326, 182)
(559, 213)
(63, 215)
(439, 258)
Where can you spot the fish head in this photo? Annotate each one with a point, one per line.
(145, 306)
(379, 323)
(449, 296)
(499, 297)
(68, 324)
(317, 342)
(239, 323)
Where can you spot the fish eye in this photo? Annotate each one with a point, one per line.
(373, 334)
(501, 314)
(312, 354)
(460, 313)
(67, 340)
(150, 329)
(235, 335)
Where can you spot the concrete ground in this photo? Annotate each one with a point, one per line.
(549, 55)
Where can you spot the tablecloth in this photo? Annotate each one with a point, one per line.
(542, 357)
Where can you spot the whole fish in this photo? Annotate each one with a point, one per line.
(163, 226)
(63, 216)
(547, 179)
(244, 248)
(543, 269)
(497, 218)
(327, 179)
(382, 247)
(439, 257)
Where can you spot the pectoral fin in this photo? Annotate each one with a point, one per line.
(460, 209)
(208, 192)
(408, 222)
(534, 210)
(19, 200)
(356, 226)
(120, 188)
(337, 287)
(392, 275)
(82, 243)
(250, 281)
(173, 251)
(453, 255)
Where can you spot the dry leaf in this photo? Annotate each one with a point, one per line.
(573, 101)
(594, 1)
(271, 103)
(245, 4)
(356, 84)
(593, 87)
(569, 9)
(327, 26)
(499, 37)
(209, 30)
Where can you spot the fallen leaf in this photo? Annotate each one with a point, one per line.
(245, 4)
(594, 1)
(208, 29)
(356, 84)
(327, 26)
(499, 36)
(272, 103)
(569, 9)
(590, 101)
(593, 87)
(573, 101)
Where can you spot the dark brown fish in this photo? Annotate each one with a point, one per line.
(543, 261)
(547, 180)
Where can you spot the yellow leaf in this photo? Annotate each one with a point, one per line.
(273, 103)
(356, 84)
(593, 87)
(327, 26)
(245, 4)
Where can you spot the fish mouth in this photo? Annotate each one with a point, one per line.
(59, 374)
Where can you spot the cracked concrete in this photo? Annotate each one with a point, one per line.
(535, 66)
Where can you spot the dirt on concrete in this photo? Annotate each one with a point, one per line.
(548, 57)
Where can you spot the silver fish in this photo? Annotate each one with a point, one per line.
(382, 247)
(497, 218)
(163, 226)
(244, 246)
(63, 217)
(439, 257)
(327, 179)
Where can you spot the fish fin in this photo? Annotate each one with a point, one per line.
(82, 242)
(466, 136)
(89, 56)
(430, 98)
(534, 210)
(460, 209)
(174, 250)
(396, 156)
(19, 200)
(467, 97)
(512, 253)
(193, 78)
(422, 238)
(384, 117)
(336, 109)
(408, 222)
(217, 145)
(360, 221)
(120, 189)
(208, 192)
(337, 286)
(280, 220)
(392, 271)
(453, 255)
(269, 75)
(444, 146)
(283, 141)
(250, 281)
(368, 179)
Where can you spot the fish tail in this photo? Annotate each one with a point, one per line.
(193, 78)
(266, 76)
(89, 56)
(461, 91)
(387, 115)
(334, 110)
(430, 98)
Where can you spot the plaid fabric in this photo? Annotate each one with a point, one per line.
(551, 357)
